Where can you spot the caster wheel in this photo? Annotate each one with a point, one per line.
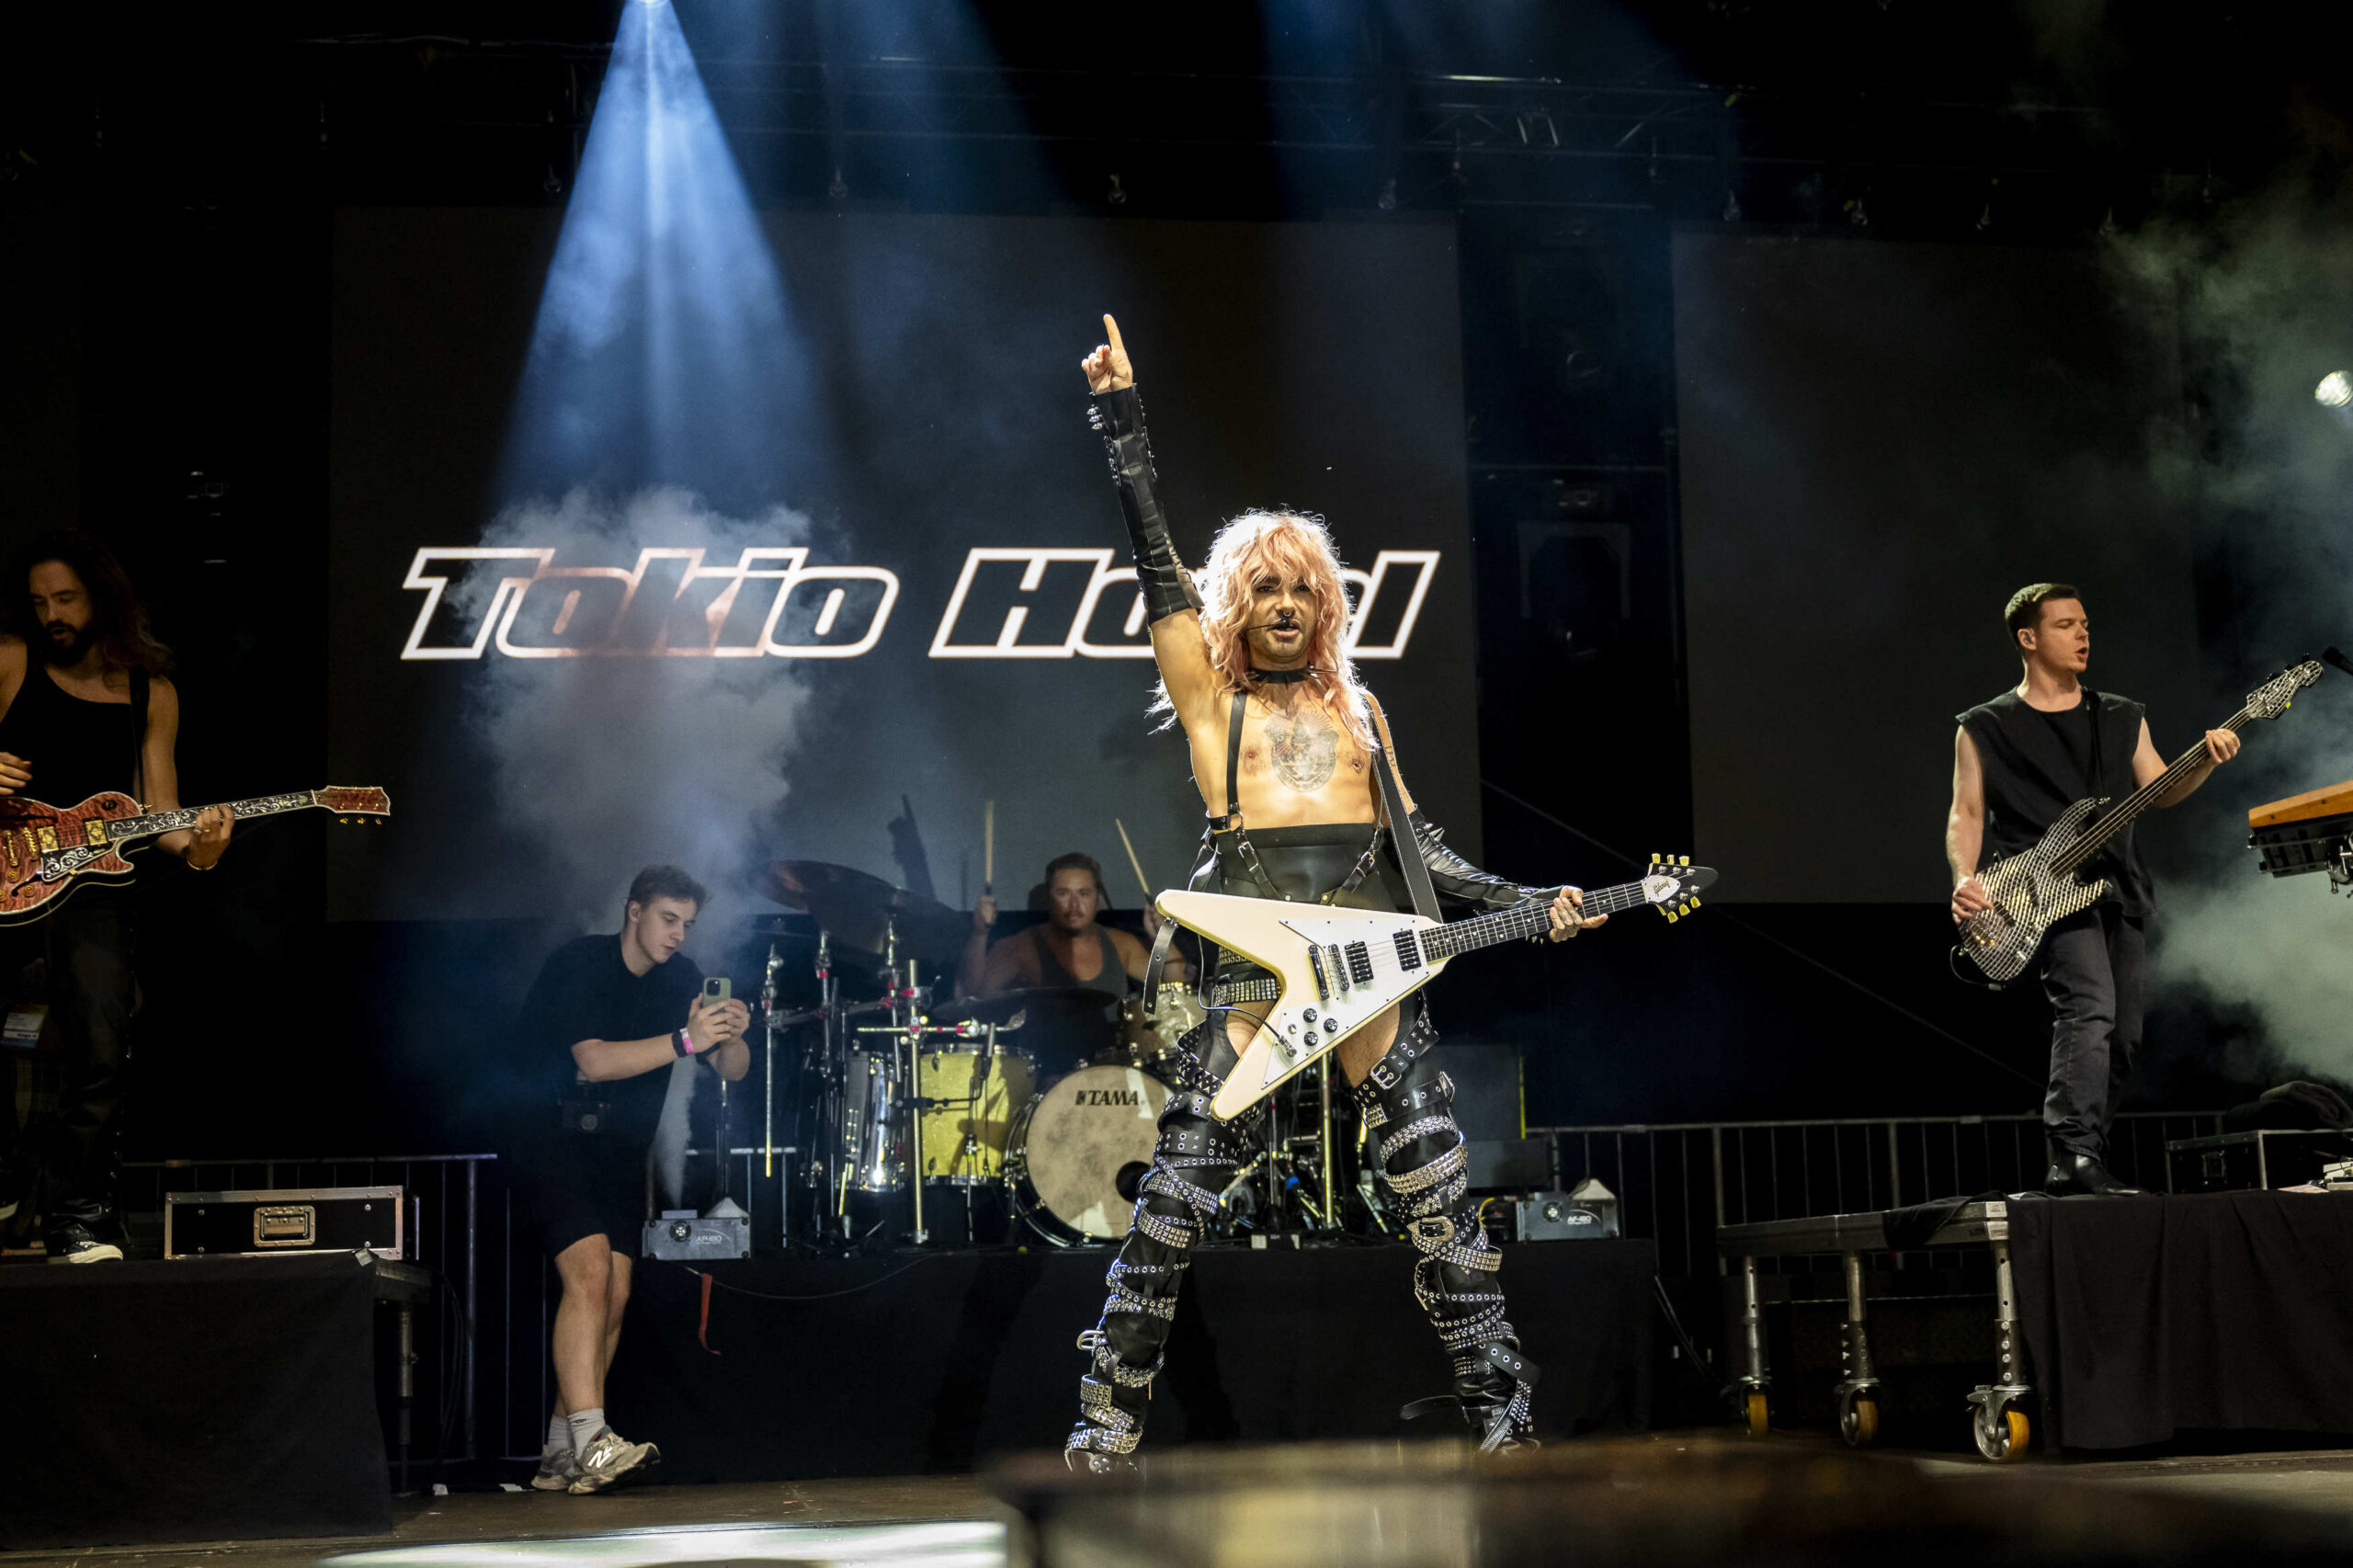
(1859, 1419)
(1757, 1427)
(2001, 1434)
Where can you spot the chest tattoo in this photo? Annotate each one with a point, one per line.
(1304, 747)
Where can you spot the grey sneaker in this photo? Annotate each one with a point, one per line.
(557, 1472)
(607, 1458)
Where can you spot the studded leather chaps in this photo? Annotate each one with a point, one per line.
(1407, 1103)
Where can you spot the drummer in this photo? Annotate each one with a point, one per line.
(1068, 951)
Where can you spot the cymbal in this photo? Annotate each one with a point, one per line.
(858, 908)
(802, 884)
(1002, 1007)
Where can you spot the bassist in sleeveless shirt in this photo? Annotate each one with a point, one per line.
(2018, 761)
(85, 708)
(1294, 764)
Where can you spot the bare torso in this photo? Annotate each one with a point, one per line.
(1299, 764)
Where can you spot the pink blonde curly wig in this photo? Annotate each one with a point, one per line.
(1297, 547)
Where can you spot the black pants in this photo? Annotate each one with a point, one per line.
(86, 948)
(2091, 971)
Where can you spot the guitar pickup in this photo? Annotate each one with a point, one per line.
(1323, 983)
(1359, 960)
(95, 833)
(1409, 952)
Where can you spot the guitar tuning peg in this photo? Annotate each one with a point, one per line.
(1686, 860)
(1695, 901)
(1670, 916)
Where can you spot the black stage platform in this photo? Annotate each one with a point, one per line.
(922, 1362)
(189, 1401)
(2149, 1315)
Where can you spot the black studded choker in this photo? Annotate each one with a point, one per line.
(1285, 678)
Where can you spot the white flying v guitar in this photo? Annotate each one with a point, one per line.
(1338, 968)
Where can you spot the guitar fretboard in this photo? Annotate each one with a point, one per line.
(185, 816)
(1524, 920)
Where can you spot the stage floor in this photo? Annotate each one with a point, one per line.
(937, 1520)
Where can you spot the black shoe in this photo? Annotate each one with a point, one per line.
(78, 1244)
(2076, 1174)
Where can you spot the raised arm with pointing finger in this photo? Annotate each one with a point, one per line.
(1172, 603)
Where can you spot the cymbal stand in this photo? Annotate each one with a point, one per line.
(834, 1064)
(767, 1027)
(1323, 1142)
(908, 1029)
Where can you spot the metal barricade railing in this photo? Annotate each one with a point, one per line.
(1676, 1182)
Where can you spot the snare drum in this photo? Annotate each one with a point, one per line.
(1080, 1150)
(962, 1138)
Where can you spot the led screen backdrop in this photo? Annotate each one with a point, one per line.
(1880, 442)
(911, 595)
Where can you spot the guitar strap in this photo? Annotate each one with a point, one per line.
(2092, 715)
(139, 736)
(1400, 834)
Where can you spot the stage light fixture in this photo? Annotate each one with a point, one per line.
(2335, 390)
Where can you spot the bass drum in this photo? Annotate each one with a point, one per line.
(1081, 1149)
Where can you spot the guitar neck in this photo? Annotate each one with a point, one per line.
(154, 823)
(2141, 800)
(1522, 921)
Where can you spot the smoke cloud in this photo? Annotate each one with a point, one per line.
(2263, 296)
(609, 764)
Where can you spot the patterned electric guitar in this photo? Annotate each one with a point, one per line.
(45, 851)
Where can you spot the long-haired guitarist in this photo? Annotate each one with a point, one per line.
(2018, 762)
(1293, 760)
(85, 706)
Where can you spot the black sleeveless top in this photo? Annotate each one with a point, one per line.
(78, 748)
(2038, 763)
(1112, 981)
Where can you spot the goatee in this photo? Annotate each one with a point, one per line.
(68, 652)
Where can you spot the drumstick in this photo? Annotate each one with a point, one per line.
(1136, 864)
(988, 849)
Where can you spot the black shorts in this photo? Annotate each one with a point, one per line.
(573, 1185)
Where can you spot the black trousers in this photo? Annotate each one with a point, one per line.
(2091, 966)
(85, 946)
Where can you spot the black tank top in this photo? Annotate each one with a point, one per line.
(1112, 981)
(77, 749)
(2037, 764)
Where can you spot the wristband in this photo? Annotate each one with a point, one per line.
(683, 1043)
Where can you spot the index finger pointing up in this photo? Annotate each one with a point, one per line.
(1112, 327)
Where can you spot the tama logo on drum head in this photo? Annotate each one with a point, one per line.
(1108, 1096)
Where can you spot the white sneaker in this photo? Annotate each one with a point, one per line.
(607, 1458)
(557, 1472)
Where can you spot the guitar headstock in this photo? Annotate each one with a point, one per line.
(348, 803)
(1674, 884)
(2271, 699)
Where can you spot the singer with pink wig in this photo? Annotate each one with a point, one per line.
(1297, 775)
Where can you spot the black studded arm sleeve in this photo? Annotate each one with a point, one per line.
(1166, 586)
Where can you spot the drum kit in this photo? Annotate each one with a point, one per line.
(909, 1101)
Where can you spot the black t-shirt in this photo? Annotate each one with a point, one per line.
(585, 992)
